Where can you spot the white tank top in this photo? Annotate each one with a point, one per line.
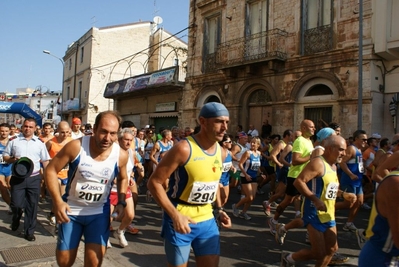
(91, 181)
(129, 169)
(238, 156)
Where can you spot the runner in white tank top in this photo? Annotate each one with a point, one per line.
(94, 162)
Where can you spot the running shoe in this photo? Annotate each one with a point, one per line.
(148, 196)
(349, 227)
(338, 259)
(280, 233)
(131, 229)
(272, 226)
(109, 244)
(266, 208)
(51, 219)
(298, 215)
(361, 238)
(274, 204)
(120, 235)
(236, 212)
(366, 207)
(245, 216)
(307, 240)
(284, 260)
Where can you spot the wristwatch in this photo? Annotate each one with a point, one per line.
(123, 203)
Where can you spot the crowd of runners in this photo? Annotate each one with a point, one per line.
(104, 168)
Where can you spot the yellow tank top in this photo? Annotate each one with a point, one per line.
(193, 186)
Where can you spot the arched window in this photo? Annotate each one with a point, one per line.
(319, 89)
(259, 97)
(212, 98)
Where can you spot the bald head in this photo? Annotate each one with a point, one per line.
(63, 130)
(307, 128)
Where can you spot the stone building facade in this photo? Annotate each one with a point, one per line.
(287, 60)
(109, 54)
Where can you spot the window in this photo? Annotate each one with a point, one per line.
(82, 52)
(79, 89)
(256, 17)
(68, 93)
(319, 89)
(256, 26)
(70, 63)
(259, 97)
(317, 17)
(50, 115)
(212, 33)
(319, 115)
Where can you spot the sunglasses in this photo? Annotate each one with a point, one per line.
(150, 133)
(227, 142)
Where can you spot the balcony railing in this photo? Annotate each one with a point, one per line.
(263, 46)
(318, 40)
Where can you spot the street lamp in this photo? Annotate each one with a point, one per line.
(62, 88)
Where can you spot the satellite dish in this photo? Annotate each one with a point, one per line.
(158, 20)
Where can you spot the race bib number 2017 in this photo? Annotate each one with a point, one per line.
(203, 192)
(90, 192)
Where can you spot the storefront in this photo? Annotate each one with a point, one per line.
(151, 98)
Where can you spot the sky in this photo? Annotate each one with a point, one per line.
(28, 27)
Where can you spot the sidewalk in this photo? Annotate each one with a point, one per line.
(16, 251)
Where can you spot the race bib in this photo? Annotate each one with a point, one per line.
(90, 192)
(203, 192)
(331, 191)
(227, 166)
(361, 167)
(255, 165)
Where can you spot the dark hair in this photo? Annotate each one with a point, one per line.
(239, 127)
(47, 124)
(274, 136)
(5, 125)
(197, 129)
(31, 120)
(334, 125)
(384, 142)
(128, 124)
(357, 133)
(287, 133)
(371, 139)
(225, 137)
(101, 115)
(13, 125)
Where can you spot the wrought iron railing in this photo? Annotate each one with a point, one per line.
(262, 46)
(318, 40)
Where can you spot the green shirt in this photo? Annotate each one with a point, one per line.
(304, 147)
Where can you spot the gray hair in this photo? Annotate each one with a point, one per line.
(125, 131)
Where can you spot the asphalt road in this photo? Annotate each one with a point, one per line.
(247, 243)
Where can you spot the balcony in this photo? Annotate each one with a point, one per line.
(318, 40)
(260, 47)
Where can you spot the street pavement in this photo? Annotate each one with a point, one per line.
(247, 243)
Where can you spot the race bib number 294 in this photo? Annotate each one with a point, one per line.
(203, 192)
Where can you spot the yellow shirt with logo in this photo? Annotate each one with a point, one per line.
(193, 186)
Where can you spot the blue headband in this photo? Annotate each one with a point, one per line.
(324, 133)
(213, 109)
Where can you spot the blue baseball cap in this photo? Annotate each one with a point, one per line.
(213, 109)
